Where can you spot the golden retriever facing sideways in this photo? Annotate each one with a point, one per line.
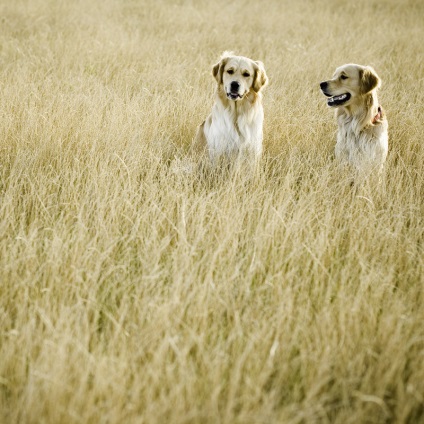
(362, 138)
(234, 128)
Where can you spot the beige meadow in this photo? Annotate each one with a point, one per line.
(132, 291)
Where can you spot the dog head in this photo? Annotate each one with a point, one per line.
(238, 75)
(349, 85)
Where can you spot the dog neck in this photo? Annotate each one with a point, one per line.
(365, 111)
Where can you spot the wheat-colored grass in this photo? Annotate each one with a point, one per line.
(135, 292)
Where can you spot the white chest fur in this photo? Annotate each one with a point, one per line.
(362, 148)
(237, 129)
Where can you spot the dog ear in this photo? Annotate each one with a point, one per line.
(369, 80)
(260, 79)
(218, 69)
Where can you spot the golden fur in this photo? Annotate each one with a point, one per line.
(234, 126)
(362, 136)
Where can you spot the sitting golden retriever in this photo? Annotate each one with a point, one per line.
(234, 128)
(362, 138)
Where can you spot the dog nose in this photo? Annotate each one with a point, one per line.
(235, 86)
(323, 85)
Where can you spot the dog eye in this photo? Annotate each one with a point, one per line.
(246, 74)
(230, 71)
(343, 77)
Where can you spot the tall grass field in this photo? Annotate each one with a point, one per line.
(135, 289)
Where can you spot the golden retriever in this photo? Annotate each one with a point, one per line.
(234, 127)
(362, 137)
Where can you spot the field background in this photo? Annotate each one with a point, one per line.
(134, 292)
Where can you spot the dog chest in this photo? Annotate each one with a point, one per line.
(229, 132)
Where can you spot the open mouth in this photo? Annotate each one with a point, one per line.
(233, 95)
(338, 100)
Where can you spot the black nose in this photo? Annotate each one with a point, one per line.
(323, 85)
(235, 86)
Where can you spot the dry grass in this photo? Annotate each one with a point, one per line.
(131, 293)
